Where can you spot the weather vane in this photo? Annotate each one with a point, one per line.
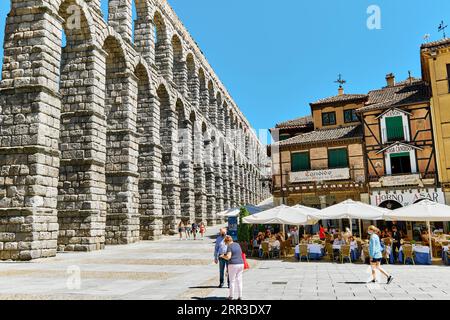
(340, 81)
(442, 28)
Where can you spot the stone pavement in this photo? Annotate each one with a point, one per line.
(277, 280)
(164, 269)
(174, 269)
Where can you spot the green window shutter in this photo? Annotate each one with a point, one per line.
(394, 128)
(337, 158)
(300, 162)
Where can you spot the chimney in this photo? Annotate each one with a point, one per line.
(390, 80)
(340, 91)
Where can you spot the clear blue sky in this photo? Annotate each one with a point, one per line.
(277, 56)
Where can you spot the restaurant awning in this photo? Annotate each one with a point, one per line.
(350, 209)
(425, 210)
(282, 215)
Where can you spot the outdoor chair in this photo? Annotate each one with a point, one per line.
(437, 248)
(265, 249)
(304, 252)
(255, 252)
(287, 247)
(345, 253)
(408, 253)
(329, 251)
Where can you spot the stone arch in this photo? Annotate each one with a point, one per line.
(80, 129)
(192, 80)
(185, 143)
(178, 65)
(204, 93)
(149, 161)
(163, 53)
(122, 178)
(170, 161)
(220, 113)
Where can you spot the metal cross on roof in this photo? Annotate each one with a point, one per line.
(442, 28)
(340, 81)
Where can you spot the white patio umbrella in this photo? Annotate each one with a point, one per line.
(234, 212)
(282, 215)
(425, 210)
(350, 209)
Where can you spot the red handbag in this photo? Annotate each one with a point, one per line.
(244, 258)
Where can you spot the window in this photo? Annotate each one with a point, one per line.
(284, 137)
(400, 163)
(448, 76)
(337, 158)
(328, 118)
(394, 129)
(350, 116)
(300, 162)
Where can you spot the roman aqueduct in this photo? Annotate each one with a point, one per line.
(112, 134)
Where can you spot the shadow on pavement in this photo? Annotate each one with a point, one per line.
(205, 287)
(360, 282)
(208, 298)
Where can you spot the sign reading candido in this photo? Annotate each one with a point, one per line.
(320, 175)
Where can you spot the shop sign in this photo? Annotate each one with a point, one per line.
(320, 175)
(407, 198)
(404, 180)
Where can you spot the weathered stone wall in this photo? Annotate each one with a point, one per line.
(115, 137)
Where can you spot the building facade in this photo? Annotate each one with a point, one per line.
(435, 61)
(399, 144)
(113, 137)
(322, 161)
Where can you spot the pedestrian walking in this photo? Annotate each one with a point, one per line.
(376, 255)
(188, 230)
(235, 267)
(181, 229)
(194, 230)
(219, 250)
(202, 230)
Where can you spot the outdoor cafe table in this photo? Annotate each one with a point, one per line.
(315, 251)
(353, 250)
(422, 255)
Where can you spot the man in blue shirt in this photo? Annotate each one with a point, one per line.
(220, 249)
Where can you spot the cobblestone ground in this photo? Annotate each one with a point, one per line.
(174, 269)
(275, 280)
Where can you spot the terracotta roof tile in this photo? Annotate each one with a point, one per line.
(323, 135)
(436, 44)
(340, 98)
(404, 93)
(295, 123)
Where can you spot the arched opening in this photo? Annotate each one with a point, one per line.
(212, 109)
(149, 158)
(160, 38)
(122, 220)
(177, 63)
(192, 80)
(169, 165)
(186, 169)
(204, 96)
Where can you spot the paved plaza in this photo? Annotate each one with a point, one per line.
(174, 269)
